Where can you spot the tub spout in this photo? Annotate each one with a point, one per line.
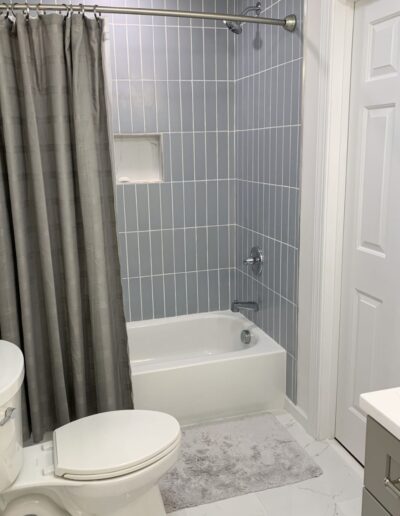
(247, 305)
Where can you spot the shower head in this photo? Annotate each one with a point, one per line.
(236, 27)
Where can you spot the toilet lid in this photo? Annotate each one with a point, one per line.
(112, 444)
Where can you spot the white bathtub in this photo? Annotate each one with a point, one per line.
(196, 368)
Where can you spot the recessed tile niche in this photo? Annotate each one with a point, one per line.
(138, 158)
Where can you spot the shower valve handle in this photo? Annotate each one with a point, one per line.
(255, 260)
(251, 260)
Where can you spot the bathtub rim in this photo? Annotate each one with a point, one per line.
(265, 344)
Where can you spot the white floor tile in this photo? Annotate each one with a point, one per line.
(350, 507)
(247, 505)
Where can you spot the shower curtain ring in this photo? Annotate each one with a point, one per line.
(4, 7)
(27, 11)
(82, 11)
(96, 14)
(39, 10)
(68, 9)
(11, 8)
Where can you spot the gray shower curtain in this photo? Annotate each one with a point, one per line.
(60, 288)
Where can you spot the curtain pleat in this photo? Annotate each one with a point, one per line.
(61, 296)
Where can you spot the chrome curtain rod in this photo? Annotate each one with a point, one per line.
(288, 23)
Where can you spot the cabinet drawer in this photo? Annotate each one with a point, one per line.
(382, 466)
(370, 507)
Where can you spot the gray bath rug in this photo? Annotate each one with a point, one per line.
(234, 457)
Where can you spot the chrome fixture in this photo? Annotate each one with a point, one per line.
(247, 305)
(245, 336)
(255, 260)
(236, 27)
(288, 23)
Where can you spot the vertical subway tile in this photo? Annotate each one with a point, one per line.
(130, 207)
(178, 206)
(147, 53)
(187, 105)
(158, 296)
(176, 157)
(166, 205)
(213, 249)
(135, 292)
(190, 204)
(223, 247)
(223, 155)
(211, 149)
(124, 107)
(149, 102)
(201, 203)
(201, 248)
(168, 251)
(156, 252)
(192, 292)
(200, 162)
(147, 298)
(179, 250)
(212, 203)
(181, 294)
(191, 248)
(203, 291)
(133, 254)
(144, 253)
(142, 207)
(199, 123)
(169, 283)
(188, 161)
(213, 290)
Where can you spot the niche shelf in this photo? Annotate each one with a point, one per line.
(138, 158)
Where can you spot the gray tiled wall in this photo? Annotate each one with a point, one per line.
(228, 108)
(268, 124)
(176, 77)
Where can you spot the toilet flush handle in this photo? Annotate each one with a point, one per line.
(7, 416)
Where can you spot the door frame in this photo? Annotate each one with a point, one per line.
(328, 35)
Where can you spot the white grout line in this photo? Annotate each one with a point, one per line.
(170, 159)
(179, 273)
(138, 243)
(141, 76)
(183, 164)
(217, 153)
(205, 158)
(150, 251)
(126, 253)
(194, 168)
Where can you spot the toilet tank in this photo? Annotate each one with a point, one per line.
(11, 378)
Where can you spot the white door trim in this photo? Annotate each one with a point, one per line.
(327, 65)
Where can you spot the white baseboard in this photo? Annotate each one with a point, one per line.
(297, 413)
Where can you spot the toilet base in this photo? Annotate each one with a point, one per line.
(148, 504)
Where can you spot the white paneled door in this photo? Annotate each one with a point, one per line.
(370, 306)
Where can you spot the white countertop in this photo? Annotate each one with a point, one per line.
(384, 407)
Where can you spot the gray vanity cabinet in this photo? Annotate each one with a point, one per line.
(382, 472)
(371, 507)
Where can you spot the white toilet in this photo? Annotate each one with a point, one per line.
(108, 464)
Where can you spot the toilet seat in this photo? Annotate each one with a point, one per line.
(112, 444)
